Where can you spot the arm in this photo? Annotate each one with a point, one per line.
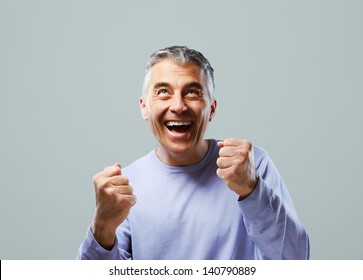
(114, 198)
(269, 215)
(271, 219)
(90, 249)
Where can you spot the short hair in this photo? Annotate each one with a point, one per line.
(182, 55)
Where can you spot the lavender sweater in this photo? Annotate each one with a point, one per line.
(190, 213)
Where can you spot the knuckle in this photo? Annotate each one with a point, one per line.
(125, 190)
(96, 178)
(113, 194)
(125, 179)
(243, 154)
(104, 183)
(220, 152)
(124, 201)
(219, 173)
(130, 189)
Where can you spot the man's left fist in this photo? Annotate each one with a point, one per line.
(236, 165)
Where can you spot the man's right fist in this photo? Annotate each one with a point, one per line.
(114, 200)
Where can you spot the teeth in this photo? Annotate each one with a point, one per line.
(173, 123)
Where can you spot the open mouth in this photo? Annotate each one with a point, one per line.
(178, 126)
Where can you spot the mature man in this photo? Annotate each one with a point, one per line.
(196, 198)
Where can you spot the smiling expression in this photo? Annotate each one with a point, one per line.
(178, 106)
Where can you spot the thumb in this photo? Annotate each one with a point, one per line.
(220, 144)
(118, 165)
(112, 170)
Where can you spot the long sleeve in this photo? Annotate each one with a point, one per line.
(189, 213)
(270, 217)
(91, 250)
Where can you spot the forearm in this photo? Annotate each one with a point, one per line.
(273, 225)
(90, 249)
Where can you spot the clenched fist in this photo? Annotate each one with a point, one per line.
(114, 199)
(236, 166)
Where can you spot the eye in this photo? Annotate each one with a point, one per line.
(162, 93)
(193, 93)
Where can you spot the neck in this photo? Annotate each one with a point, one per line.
(184, 158)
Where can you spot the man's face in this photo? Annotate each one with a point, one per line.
(178, 106)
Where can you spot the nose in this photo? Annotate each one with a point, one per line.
(177, 104)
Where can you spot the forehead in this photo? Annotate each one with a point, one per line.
(175, 74)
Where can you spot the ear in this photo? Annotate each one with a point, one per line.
(213, 108)
(143, 109)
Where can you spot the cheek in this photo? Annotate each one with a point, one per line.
(149, 111)
(154, 116)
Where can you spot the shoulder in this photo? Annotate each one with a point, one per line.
(137, 165)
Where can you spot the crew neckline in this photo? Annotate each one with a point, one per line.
(189, 168)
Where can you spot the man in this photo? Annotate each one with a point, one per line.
(196, 198)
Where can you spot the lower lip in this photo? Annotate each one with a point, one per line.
(178, 135)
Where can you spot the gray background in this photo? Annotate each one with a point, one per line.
(288, 77)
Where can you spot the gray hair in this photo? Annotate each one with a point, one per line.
(182, 55)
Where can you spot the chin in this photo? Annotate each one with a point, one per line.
(179, 147)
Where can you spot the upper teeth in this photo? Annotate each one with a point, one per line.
(172, 123)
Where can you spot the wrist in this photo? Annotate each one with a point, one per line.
(103, 235)
(248, 189)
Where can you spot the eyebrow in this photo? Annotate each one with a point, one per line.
(191, 84)
(161, 84)
(194, 84)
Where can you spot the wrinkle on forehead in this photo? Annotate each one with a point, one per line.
(175, 74)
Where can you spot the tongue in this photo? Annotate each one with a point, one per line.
(179, 128)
